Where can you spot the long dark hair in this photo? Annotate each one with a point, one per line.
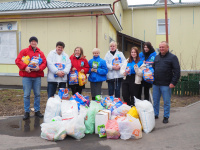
(137, 57)
(149, 46)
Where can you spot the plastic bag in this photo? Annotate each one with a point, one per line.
(121, 111)
(117, 60)
(133, 112)
(53, 108)
(125, 128)
(90, 118)
(35, 61)
(76, 127)
(102, 131)
(69, 109)
(137, 128)
(56, 118)
(53, 131)
(146, 113)
(60, 67)
(73, 77)
(63, 93)
(26, 59)
(148, 75)
(112, 129)
(82, 79)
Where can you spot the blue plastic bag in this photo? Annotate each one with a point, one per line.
(60, 67)
(73, 77)
(35, 61)
(148, 75)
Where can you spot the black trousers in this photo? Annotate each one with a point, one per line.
(146, 86)
(76, 88)
(130, 89)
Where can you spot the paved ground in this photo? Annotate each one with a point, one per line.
(181, 133)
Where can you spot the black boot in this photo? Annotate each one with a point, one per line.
(26, 116)
(38, 114)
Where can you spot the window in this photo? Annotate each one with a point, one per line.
(161, 26)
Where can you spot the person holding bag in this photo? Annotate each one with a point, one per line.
(79, 64)
(147, 56)
(129, 88)
(97, 71)
(114, 60)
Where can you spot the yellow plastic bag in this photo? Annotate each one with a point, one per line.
(26, 59)
(133, 112)
(82, 79)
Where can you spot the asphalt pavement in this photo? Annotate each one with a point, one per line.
(181, 133)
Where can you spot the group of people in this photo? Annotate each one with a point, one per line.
(110, 69)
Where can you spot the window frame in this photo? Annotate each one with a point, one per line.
(162, 33)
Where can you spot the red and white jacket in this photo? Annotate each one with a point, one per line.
(29, 52)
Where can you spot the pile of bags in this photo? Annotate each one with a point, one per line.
(109, 117)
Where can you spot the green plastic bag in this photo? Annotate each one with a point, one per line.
(102, 131)
(90, 118)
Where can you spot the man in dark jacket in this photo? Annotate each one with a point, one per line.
(167, 74)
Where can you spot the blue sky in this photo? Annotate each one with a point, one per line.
(138, 2)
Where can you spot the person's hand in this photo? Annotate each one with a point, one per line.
(92, 69)
(60, 73)
(35, 69)
(95, 70)
(28, 69)
(118, 67)
(124, 73)
(135, 66)
(82, 70)
(73, 69)
(114, 67)
(171, 85)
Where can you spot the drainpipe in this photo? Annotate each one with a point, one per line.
(132, 24)
(39, 17)
(166, 22)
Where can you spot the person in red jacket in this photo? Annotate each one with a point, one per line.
(31, 72)
(79, 63)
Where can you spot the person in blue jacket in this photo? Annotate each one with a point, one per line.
(129, 88)
(98, 70)
(147, 56)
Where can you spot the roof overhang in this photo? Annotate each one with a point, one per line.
(162, 6)
(105, 9)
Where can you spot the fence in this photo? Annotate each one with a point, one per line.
(187, 86)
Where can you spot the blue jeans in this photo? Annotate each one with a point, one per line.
(114, 85)
(52, 87)
(28, 84)
(166, 94)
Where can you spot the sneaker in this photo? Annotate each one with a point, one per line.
(165, 120)
(156, 117)
(38, 114)
(26, 116)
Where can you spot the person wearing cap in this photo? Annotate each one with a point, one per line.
(31, 77)
(59, 65)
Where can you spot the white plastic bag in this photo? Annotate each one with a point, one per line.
(75, 127)
(146, 113)
(121, 111)
(125, 128)
(69, 109)
(137, 128)
(53, 108)
(53, 131)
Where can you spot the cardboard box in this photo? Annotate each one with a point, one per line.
(100, 119)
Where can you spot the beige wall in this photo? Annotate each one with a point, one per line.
(77, 31)
(184, 37)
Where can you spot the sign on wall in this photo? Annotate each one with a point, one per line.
(8, 42)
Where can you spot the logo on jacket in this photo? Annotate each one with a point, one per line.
(95, 65)
(82, 63)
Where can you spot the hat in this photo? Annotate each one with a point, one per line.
(33, 38)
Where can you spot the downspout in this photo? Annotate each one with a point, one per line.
(166, 22)
(104, 14)
(97, 31)
(132, 24)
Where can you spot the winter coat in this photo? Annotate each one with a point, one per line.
(99, 64)
(109, 58)
(29, 52)
(166, 69)
(149, 60)
(54, 58)
(80, 63)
